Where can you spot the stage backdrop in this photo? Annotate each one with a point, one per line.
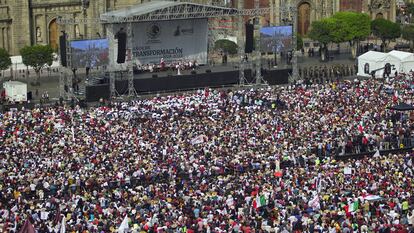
(171, 40)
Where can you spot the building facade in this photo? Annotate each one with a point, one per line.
(29, 22)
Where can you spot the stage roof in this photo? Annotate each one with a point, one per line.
(169, 10)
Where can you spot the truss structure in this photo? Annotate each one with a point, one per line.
(131, 89)
(258, 60)
(65, 76)
(165, 11)
(289, 14)
(240, 42)
(168, 10)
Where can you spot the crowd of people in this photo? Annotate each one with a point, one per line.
(322, 73)
(264, 160)
(176, 66)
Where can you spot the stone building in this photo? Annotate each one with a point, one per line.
(311, 10)
(28, 22)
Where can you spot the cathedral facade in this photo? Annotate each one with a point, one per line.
(29, 22)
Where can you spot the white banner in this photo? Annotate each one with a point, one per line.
(174, 41)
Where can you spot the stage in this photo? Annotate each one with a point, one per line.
(188, 80)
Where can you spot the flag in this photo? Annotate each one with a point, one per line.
(123, 228)
(278, 172)
(360, 128)
(377, 154)
(354, 206)
(372, 198)
(263, 200)
(259, 201)
(63, 225)
(314, 203)
(27, 227)
(199, 139)
(395, 97)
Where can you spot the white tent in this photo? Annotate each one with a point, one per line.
(15, 91)
(406, 60)
(375, 61)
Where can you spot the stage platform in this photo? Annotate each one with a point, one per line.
(188, 80)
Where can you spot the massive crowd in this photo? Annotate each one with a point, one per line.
(214, 161)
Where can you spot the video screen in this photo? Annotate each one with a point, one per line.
(276, 39)
(89, 53)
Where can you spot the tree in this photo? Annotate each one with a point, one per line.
(408, 34)
(385, 30)
(5, 60)
(37, 56)
(321, 32)
(410, 8)
(226, 46)
(299, 42)
(352, 27)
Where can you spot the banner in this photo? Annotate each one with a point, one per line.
(174, 41)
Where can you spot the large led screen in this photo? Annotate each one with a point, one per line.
(89, 53)
(276, 39)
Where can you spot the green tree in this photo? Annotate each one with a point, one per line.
(321, 32)
(385, 30)
(408, 34)
(37, 56)
(410, 8)
(226, 46)
(5, 60)
(299, 42)
(352, 27)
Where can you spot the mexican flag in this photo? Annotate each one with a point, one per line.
(354, 206)
(259, 201)
(351, 207)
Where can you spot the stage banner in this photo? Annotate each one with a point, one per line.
(172, 41)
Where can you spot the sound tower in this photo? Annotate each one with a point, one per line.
(62, 47)
(249, 38)
(122, 39)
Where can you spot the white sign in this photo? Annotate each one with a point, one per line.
(174, 41)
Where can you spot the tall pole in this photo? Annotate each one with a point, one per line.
(241, 42)
(258, 53)
(295, 73)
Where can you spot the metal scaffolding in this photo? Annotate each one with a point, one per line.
(131, 89)
(289, 16)
(175, 11)
(65, 74)
(168, 11)
(258, 59)
(241, 43)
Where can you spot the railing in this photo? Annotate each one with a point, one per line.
(392, 144)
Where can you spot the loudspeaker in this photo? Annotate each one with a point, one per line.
(208, 71)
(155, 76)
(122, 37)
(387, 69)
(29, 95)
(62, 47)
(249, 38)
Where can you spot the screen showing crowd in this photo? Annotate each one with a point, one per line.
(276, 39)
(89, 53)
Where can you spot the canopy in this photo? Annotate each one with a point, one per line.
(402, 107)
(375, 61)
(406, 60)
